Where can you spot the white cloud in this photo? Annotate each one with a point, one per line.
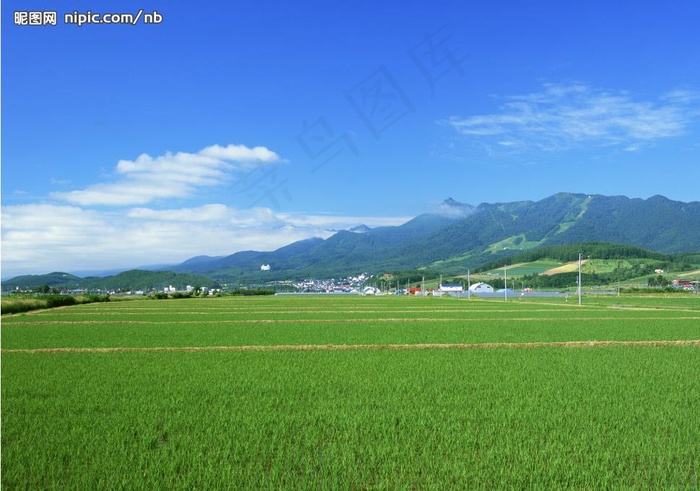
(81, 234)
(40, 238)
(172, 175)
(240, 153)
(562, 117)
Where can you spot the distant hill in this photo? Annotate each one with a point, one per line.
(248, 260)
(128, 280)
(30, 281)
(344, 253)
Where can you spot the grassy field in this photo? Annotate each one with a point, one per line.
(15, 304)
(353, 393)
(588, 266)
(535, 267)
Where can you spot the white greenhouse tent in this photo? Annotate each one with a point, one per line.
(481, 288)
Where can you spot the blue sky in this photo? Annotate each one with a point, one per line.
(248, 125)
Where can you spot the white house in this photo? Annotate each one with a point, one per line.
(481, 288)
(451, 287)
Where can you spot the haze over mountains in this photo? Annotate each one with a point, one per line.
(457, 236)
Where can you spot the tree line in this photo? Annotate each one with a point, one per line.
(570, 252)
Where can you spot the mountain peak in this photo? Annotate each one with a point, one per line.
(453, 209)
(360, 229)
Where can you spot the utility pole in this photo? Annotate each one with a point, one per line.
(505, 281)
(579, 278)
(469, 286)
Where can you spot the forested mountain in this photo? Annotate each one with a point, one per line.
(656, 223)
(460, 236)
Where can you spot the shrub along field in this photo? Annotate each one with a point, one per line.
(351, 392)
(15, 304)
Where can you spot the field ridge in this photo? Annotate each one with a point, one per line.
(350, 347)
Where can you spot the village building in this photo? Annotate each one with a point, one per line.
(451, 287)
(481, 288)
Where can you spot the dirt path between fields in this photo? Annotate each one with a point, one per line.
(356, 347)
(354, 321)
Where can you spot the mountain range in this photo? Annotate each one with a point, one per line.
(456, 236)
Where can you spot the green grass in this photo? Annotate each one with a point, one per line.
(534, 267)
(602, 266)
(689, 275)
(589, 266)
(607, 417)
(518, 242)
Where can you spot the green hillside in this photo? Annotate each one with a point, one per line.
(127, 281)
(55, 279)
(588, 250)
(539, 266)
(602, 263)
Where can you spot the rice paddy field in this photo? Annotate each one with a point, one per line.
(353, 393)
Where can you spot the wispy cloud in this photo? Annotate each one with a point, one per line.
(39, 238)
(562, 117)
(172, 175)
